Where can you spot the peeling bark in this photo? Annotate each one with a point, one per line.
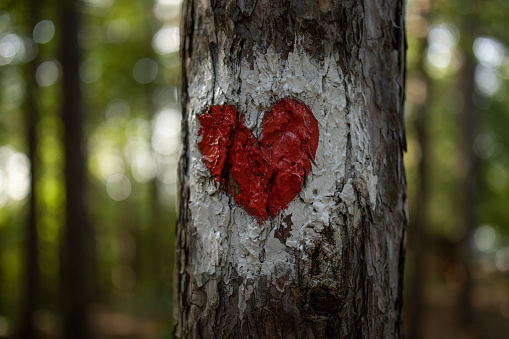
(331, 264)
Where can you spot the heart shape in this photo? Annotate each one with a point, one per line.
(262, 174)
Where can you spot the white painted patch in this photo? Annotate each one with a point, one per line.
(221, 225)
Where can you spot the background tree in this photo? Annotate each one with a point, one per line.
(332, 263)
(130, 132)
(128, 73)
(417, 240)
(32, 273)
(77, 253)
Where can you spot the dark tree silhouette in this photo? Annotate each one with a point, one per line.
(417, 236)
(77, 243)
(468, 167)
(32, 274)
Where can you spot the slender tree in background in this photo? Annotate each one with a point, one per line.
(153, 249)
(76, 254)
(331, 263)
(31, 241)
(417, 236)
(468, 166)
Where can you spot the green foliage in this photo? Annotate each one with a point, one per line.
(129, 92)
(129, 73)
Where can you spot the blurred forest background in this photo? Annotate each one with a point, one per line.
(89, 129)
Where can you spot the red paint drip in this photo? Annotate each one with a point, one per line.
(263, 175)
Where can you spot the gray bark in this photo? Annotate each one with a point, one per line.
(331, 264)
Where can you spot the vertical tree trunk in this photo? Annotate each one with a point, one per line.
(31, 241)
(468, 169)
(417, 235)
(331, 264)
(76, 254)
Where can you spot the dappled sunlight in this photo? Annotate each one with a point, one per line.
(437, 101)
(484, 238)
(44, 31)
(14, 176)
(48, 73)
(145, 70)
(130, 162)
(487, 80)
(12, 49)
(442, 56)
(117, 31)
(491, 55)
(166, 10)
(147, 151)
(166, 128)
(166, 40)
(118, 186)
(13, 90)
(129, 72)
(100, 3)
(490, 52)
(91, 70)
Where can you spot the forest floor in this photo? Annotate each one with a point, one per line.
(440, 321)
(490, 313)
(490, 317)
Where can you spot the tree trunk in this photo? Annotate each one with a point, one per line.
(330, 264)
(417, 237)
(77, 250)
(32, 274)
(468, 169)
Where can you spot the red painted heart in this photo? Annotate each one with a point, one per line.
(263, 175)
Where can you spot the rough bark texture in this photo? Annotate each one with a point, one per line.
(331, 264)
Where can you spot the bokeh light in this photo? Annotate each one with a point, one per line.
(166, 40)
(48, 73)
(502, 259)
(91, 70)
(485, 237)
(489, 52)
(118, 187)
(145, 70)
(12, 49)
(166, 128)
(167, 9)
(44, 31)
(14, 175)
(118, 31)
(442, 56)
(118, 110)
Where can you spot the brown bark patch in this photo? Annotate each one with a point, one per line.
(323, 300)
(283, 231)
(325, 5)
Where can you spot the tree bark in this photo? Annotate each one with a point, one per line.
(331, 264)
